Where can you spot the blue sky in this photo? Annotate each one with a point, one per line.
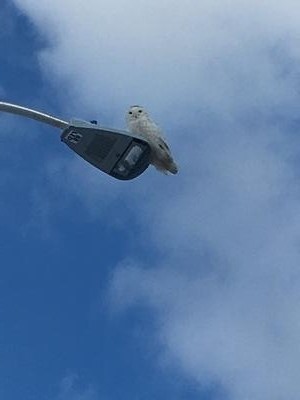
(58, 337)
(53, 324)
(182, 287)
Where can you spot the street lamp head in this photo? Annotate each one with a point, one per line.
(112, 151)
(117, 153)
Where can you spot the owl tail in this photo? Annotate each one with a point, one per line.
(166, 167)
(173, 168)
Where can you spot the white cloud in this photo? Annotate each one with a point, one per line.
(69, 390)
(165, 54)
(223, 77)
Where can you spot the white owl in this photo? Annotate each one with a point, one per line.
(139, 123)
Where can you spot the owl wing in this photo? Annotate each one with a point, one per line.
(155, 131)
(162, 158)
(162, 144)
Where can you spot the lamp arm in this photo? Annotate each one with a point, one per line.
(33, 114)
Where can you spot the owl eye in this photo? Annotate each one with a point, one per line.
(140, 111)
(130, 112)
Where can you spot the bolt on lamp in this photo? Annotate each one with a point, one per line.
(113, 151)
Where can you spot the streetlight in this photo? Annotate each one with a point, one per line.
(114, 152)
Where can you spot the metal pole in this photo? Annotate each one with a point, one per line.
(29, 113)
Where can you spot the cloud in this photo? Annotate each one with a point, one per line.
(226, 290)
(197, 54)
(222, 237)
(69, 390)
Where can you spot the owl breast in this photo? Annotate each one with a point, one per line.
(143, 127)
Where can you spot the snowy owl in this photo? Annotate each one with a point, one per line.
(139, 123)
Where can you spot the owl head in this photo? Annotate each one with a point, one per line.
(135, 112)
